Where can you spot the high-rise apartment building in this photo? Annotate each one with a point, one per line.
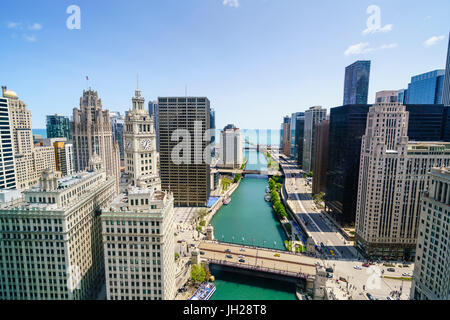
(50, 239)
(30, 161)
(138, 226)
(313, 116)
(426, 88)
(319, 181)
(297, 131)
(386, 96)
(356, 83)
(141, 159)
(91, 132)
(184, 140)
(64, 158)
(431, 278)
(392, 175)
(285, 136)
(58, 126)
(446, 89)
(231, 148)
(7, 165)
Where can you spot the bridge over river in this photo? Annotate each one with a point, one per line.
(259, 259)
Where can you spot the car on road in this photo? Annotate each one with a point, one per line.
(390, 269)
(366, 265)
(406, 274)
(180, 241)
(330, 270)
(276, 255)
(357, 267)
(329, 275)
(241, 260)
(229, 256)
(369, 296)
(227, 250)
(342, 279)
(241, 256)
(242, 249)
(389, 298)
(332, 252)
(202, 253)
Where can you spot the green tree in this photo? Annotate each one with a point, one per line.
(177, 256)
(237, 178)
(198, 273)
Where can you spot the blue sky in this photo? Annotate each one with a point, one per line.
(256, 61)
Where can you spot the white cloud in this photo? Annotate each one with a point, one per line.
(358, 48)
(35, 26)
(385, 29)
(231, 3)
(363, 47)
(30, 38)
(433, 40)
(13, 25)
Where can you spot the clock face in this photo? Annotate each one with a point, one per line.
(128, 144)
(146, 144)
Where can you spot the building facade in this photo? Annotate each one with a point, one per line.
(297, 131)
(91, 132)
(50, 239)
(141, 158)
(426, 88)
(7, 165)
(118, 123)
(446, 90)
(58, 126)
(184, 140)
(319, 181)
(153, 111)
(431, 278)
(392, 175)
(402, 96)
(386, 96)
(313, 116)
(285, 136)
(356, 83)
(231, 148)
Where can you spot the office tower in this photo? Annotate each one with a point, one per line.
(141, 159)
(91, 132)
(347, 126)
(231, 148)
(319, 182)
(51, 245)
(426, 88)
(58, 126)
(386, 96)
(7, 165)
(431, 278)
(184, 143)
(402, 96)
(313, 116)
(64, 157)
(286, 136)
(392, 175)
(356, 83)
(446, 89)
(117, 124)
(297, 130)
(154, 112)
(30, 161)
(138, 226)
(212, 123)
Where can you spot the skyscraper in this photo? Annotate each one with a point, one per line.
(431, 271)
(231, 148)
(426, 88)
(154, 112)
(386, 96)
(212, 122)
(91, 132)
(141, 159)
(140, 265)
(392, 175)
(57, 250)
(7, 166)
(356, 83)
(117, 124)
(402, 96)
(319, 181)
(446, 89)
(297, 130)
(58, 126)
(184, 140)
(285, 136)
(313, 116)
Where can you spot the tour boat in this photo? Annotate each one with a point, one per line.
(205, 291)
(267, 197)
(226, 201)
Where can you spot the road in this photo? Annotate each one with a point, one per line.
(317, 225)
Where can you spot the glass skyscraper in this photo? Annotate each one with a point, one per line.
(58, 127)
(446, 90)
(426, 88)
(297, 131)
(356, 85)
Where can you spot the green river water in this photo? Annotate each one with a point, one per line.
(249, 220)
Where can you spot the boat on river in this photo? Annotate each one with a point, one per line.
(227, 201)
(267, 197)
(205, 291)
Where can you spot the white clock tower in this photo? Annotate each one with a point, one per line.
(141, 157)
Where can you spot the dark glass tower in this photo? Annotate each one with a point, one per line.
(58, 127)
(356, 85)
(446, 90)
